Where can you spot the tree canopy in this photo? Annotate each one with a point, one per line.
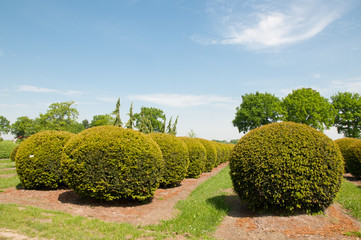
(348, 113)
(116, 113)
(4, 125)
(150, 120)
(101, 120)
(257, 109)
(307, 106)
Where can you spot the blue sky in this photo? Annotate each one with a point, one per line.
(189, 58)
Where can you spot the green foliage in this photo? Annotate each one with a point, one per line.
(60, 116)
(25, 127)
(176, 158)
(307, 106)
(348, 116)
(211, 154)
(38, 160)
(102, 120)
(172, 127)
(192, 134)
(286, 167)
(353, 156)
(85, 124)
(197, 156)
(150, 120)
(344, 144)
(6, 147)
(4, 125)
(109, 163)
(256, 110)
(13, 152)
(116, 113)
(131, 120)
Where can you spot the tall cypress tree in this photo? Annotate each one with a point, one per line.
(116, 112)
(130, 122)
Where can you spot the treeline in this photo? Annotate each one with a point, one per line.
(63, 117)
(305, 105)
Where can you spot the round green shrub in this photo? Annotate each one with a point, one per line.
(344, 144)
(286, 167)
(211, 154)
(197, 157)
(38, 160)
(6, 148)
(353, 156)
(176, 158)
(220, 154)
(109, 163)
(13, 152)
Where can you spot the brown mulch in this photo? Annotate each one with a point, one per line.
(159, 208)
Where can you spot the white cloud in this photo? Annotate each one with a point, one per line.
(260, 24)
(349, 85)
(28, 88)
(34, 89)
(108, 99)
(178, 100)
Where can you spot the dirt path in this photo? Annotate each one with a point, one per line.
(161, 207)
(241, 223)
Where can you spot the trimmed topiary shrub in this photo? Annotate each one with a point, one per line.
(38, 160)
(344, 144)
(6, 147)
(286, 167)
(13, 152)
(197, 156)
(176, 158)
(109, 163)
(353, 156)
(211, 156)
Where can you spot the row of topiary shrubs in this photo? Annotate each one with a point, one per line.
(6, 148)
(351, 152)
(109, 163)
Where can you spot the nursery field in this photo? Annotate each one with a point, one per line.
(203, 208)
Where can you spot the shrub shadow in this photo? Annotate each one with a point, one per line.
(72, 197)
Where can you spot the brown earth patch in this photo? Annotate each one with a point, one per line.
(242, 223)
(354, 180)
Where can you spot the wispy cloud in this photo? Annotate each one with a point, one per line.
(108, 99)
(260, 24)
(178, 100)
(34, 89)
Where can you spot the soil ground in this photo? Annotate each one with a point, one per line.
(240, 223)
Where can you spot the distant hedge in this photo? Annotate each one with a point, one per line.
(38, 160)
(176, 158)
(6, 147)
(344, 145)
(211, 154)
(197, 156)
(109, 163)
(353, 156)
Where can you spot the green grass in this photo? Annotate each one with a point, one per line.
(202, 211)
(35, 222)
(350, 197)
(7, 182)
(6, 163)
(9, 171)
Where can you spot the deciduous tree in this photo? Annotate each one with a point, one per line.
(348, 113)
(257, 109)
(307, 106)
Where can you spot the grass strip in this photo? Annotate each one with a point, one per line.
(8, 171)
(350, 198)
(9, 182)
(35, 222)
(202, 211)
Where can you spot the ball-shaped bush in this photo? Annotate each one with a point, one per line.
(211, 154)
(353, 156)
(13, 152)
(38, 160)
(6, 147)
(176, 158)
(344, 144)
(286, 167)
(197, 157)
(109, 163)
